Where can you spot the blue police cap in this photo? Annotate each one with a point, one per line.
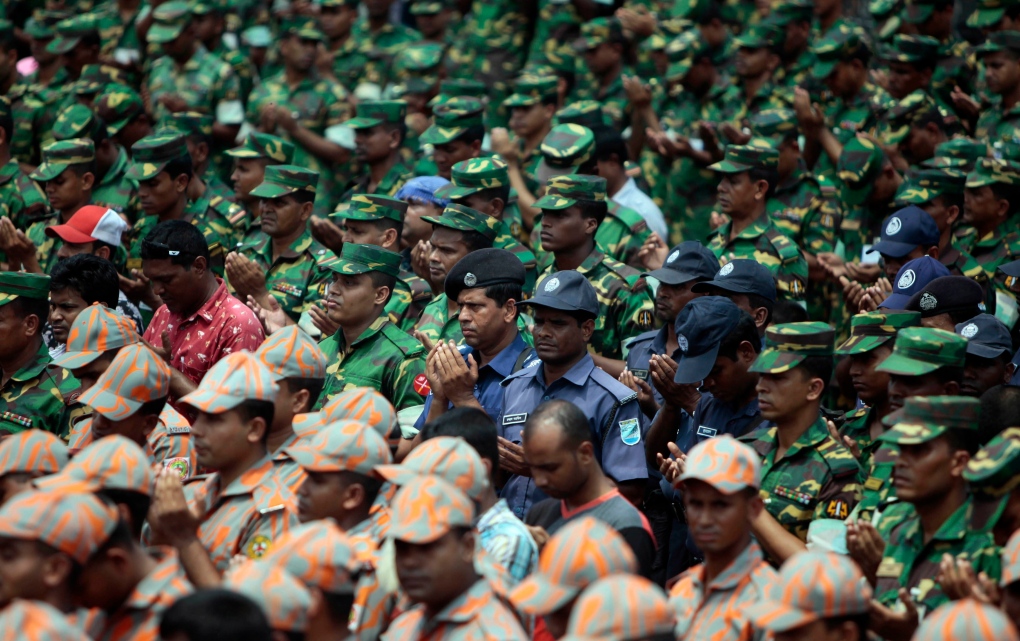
(987, 336)
(1011, 268)
(568, 291)
(701, 327)
(482, 268)
(741, 276)
(912, 278)
(905, 230)
(690, 260)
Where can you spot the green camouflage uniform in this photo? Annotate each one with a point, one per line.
(797, 72)
(13, 194)
(372, 113)
(817, 478)
(992, 474)
(996, 123)
(197, 128)
(611, 96)
(411, 293)
(238, 61)
(381, 46)
(859, 165)
(868, 332)
(352, 56)
(908, 560)
(530, 91)
(437, 323)
(119, 38)
(493, 47)
(383, 357)
(39, 395)
(297, 277)
(770, 95)
(761, 241)
(450, 121)
(625, 304)
(275, 151)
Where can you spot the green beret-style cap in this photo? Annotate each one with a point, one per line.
(15, 284)
(788, 344)
(564, 191)
(923, 418)
(361, 259)
(268, 146)
(151, 154)
(281, 180)
(371, 113)
(741, 158)
(59, 155)
(874, 329)
(464, 218)
(922, 350)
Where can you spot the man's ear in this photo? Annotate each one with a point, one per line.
(88, 179)
(199, 265)
(509, 310)
(761, 188)
(815, 389)
(181, 183)
(299, 401)
(381, 294)
(103, 252)
(257, 430)
(587, 329)
(933, 251)
(391, 239)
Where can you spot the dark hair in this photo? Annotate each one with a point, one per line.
(757, 300)
(818, 367)
(951, 200)
(503, 292)
(745, 330)
(180, 165)
(609, 143)
(472, 134)
(82, 168)
(302, 197)
(475, 240)
(709, 13)
(1009, 193)
(371, 484)
(962, 439)
(23, 307)
(380, 279)
(252, 409)
(492, 193)
(860, 620)
(1000, 408)
(568, 416)
(137, 505)
(215, 615)
(339, 606)
(180, 235)
(121, 537)
(471, 424)
(313, 385)
(596, 209)
(399, 127)
(948, 373)
(153, 407)
(94, 278)
(382, 224)
(771, 176)
(788, 311)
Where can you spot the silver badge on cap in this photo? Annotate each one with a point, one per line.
(470, 279)
(672, 257)
(681, 342)
(928, 302)
(970, 331)
(906, 280)
(551, 285)
(893, 226)
(726, 270)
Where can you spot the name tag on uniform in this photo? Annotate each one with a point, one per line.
(640, 373)
(707, 432)
(514, 419)
(179, 429)
(889, 568)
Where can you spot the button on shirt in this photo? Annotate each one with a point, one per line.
(630, 195)
(487, 389)
(614, 418)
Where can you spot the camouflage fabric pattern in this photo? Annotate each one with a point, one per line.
(914, 108)
(116, 191)
(238, 377)
(445, 457)
(741, 158)
(924, 418)
(627, 606)
(319, 554)
(119, 105)
(724, 463)
(290, 353)
(39, 621)
(75, 121)
(966, 619)
(426, 510)
(360, 259)
(283, 598)
(763, 242)
(451, 119)
(151, 154)
(40, 395)
(61, 154)
(111, 463)
(873, 329)
(995, 469)
(136, 375)
(342, 446)
(205, 83)
(32, 451)
(268, 146)
(381, 46)
(96, 330)
(35, 107)
(567, 146)
(564, 191)
(1010, 561)
(788, 344)
(76, 524)
(920, 350)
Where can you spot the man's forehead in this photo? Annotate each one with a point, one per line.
(67, 295)
(160, 267)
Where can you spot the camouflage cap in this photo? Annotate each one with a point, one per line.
(236, 378)
(191, 123)
(304, 28)
(22, 619)
(584, 113)
(283, 180)
(206, 7)
(59, 155)
(362, 404)
(1010, 558)
(1000, 41)
(918, 11)
(342, 446)
(916, 107)
(15, 284)
(118, 106)
(759, 36)
(96, 330)
(75, 121)
(874, 329)
(361, 259)
(923, 418)
(284, 599)
(70, 32)
(788, 344)
(859, 165)
(966, 620)
(137, 375)
(474, 175)
(463, 218)
(418, 58)
(922, 350)
(268, 146)
(76, 523)
(564, 149)
(447, 457)
(291, 353)
(452, 119)
(452, 87)
(995, 469)
(774, 123)
(531, 90)
(427, 509)
(319, 554)
(565, 191)
(151, 155)
(113, 462)
(371, 113)
(32, 451)
(993, 171)
(812, 586)
(597, 31)
(622, 606)
(790, 11)
(724, 463)
(925, 185)
(94, 78)
(42, 25)
(365, 207)
(580, 553)
(841, 43)
(989, 13)
(741, 158)
(912, 49)
(169, 20)
(958, 153)
(428, 7)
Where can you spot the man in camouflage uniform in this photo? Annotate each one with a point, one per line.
(299, 105)
(210, 24)
(756, 60)
(955, 66)
(251, 159)
(284, 260)
(348, 54)
(570, 218)
(993, 239)
(935, 436)
(379, 134)
(809, 481)
(78, 41)
(34, 394)
(378, 220)
(197, 129)
(381, 39)
(381, 356)
(456, 134)
(123, 111)
(867, 184)
(1000, 56)
(913, 129)
(605, 51)
(117, 24)
(793, 18)
(532, 106)
(20, 196)
(910, 60)
(749, 172)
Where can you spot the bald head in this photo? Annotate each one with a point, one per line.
(561, 417)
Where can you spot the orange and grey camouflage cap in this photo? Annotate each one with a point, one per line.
(812, 586)
(449, 458)
(137, 375)
(291, 353)
(966, 620)
(75, 523)
(724, 463)
(319, 555)
(112, 463)
(237, 378)
(582, 552)
(32, 451)
(268, 146)
(282, 597)
(15, 284)
(362, 404)
(24, 620)
(341, 446)
(427, 509)
(622, 606)
(96, 330)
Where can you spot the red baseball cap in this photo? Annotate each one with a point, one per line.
(89, 224)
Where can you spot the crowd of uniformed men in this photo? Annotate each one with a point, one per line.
(462, 320)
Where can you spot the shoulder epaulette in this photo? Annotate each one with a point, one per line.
(786, 248)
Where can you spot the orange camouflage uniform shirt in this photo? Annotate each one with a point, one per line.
(476, 614)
